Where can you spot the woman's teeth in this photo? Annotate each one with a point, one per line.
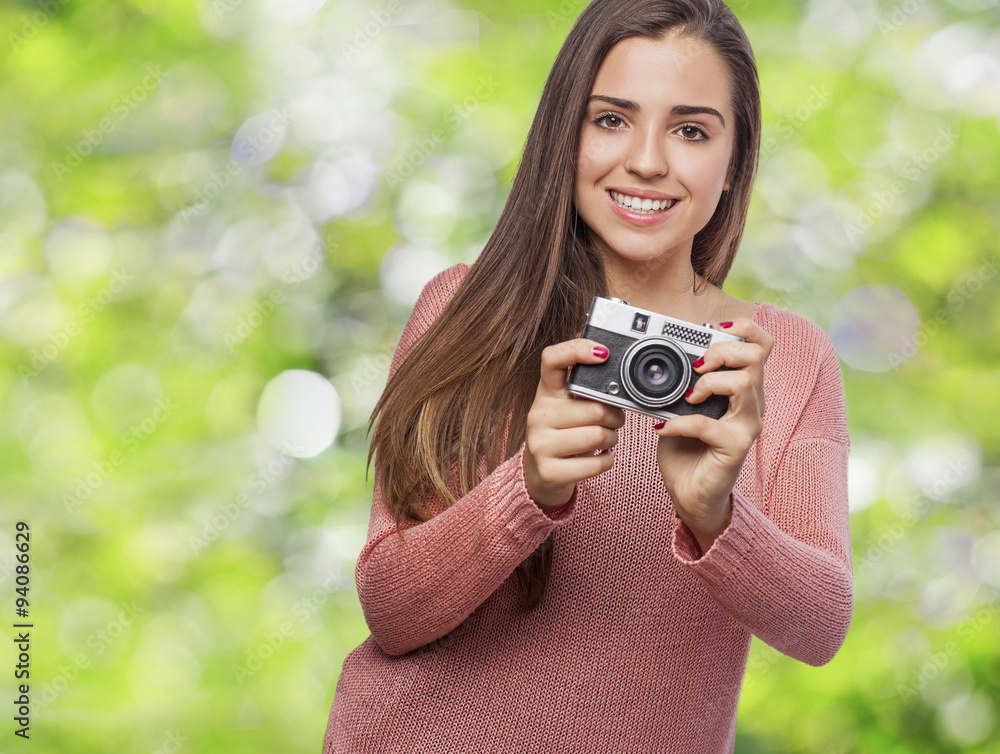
(635, 204)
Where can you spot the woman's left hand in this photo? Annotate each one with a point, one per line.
(700, 457)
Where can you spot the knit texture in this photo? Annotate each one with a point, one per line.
(641, 642)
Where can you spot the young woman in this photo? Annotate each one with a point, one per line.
(527, 589)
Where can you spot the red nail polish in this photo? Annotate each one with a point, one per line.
(725, 325)
(689, 391)
(600, 352)
(659, 425)
(700, 362)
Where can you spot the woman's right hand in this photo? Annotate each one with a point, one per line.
(564, 432)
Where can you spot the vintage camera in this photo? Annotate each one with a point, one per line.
(649, 369)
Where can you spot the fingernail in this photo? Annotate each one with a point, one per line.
(689, 391)
(659, 425)
(725, 324)
(699, 363)
(600, 352)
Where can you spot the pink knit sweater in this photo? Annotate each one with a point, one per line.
(640, 644)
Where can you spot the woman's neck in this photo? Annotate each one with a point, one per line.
(672, 289)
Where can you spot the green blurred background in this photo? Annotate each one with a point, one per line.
(215, 216)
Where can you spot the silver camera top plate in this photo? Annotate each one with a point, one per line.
(616, 316)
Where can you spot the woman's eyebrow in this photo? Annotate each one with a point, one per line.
(697, 110)
(627, 104)
(624, 104)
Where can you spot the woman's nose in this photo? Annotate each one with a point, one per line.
(647, 154)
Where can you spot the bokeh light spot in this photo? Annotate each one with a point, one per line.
(968, 720)
(874, 327)
(290, 11)
(406, 269)
(299, 413)
(77, 251)
(986, 558)
(260, 138)
(863, 483)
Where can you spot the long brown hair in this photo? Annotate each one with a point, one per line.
(477, 366)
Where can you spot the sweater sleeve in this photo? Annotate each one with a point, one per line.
(783, 567)
(417, 588)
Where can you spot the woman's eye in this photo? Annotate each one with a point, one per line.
(692, 133)
(607, 120)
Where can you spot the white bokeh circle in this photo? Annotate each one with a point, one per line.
(299, 413)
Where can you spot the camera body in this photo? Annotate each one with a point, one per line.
(649, 367)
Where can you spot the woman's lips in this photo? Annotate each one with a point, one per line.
(642, 218)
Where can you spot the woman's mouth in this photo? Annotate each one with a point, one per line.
(642, 206)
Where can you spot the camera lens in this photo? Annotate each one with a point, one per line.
(655, 371)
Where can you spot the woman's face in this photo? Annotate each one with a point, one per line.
(655, 145)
